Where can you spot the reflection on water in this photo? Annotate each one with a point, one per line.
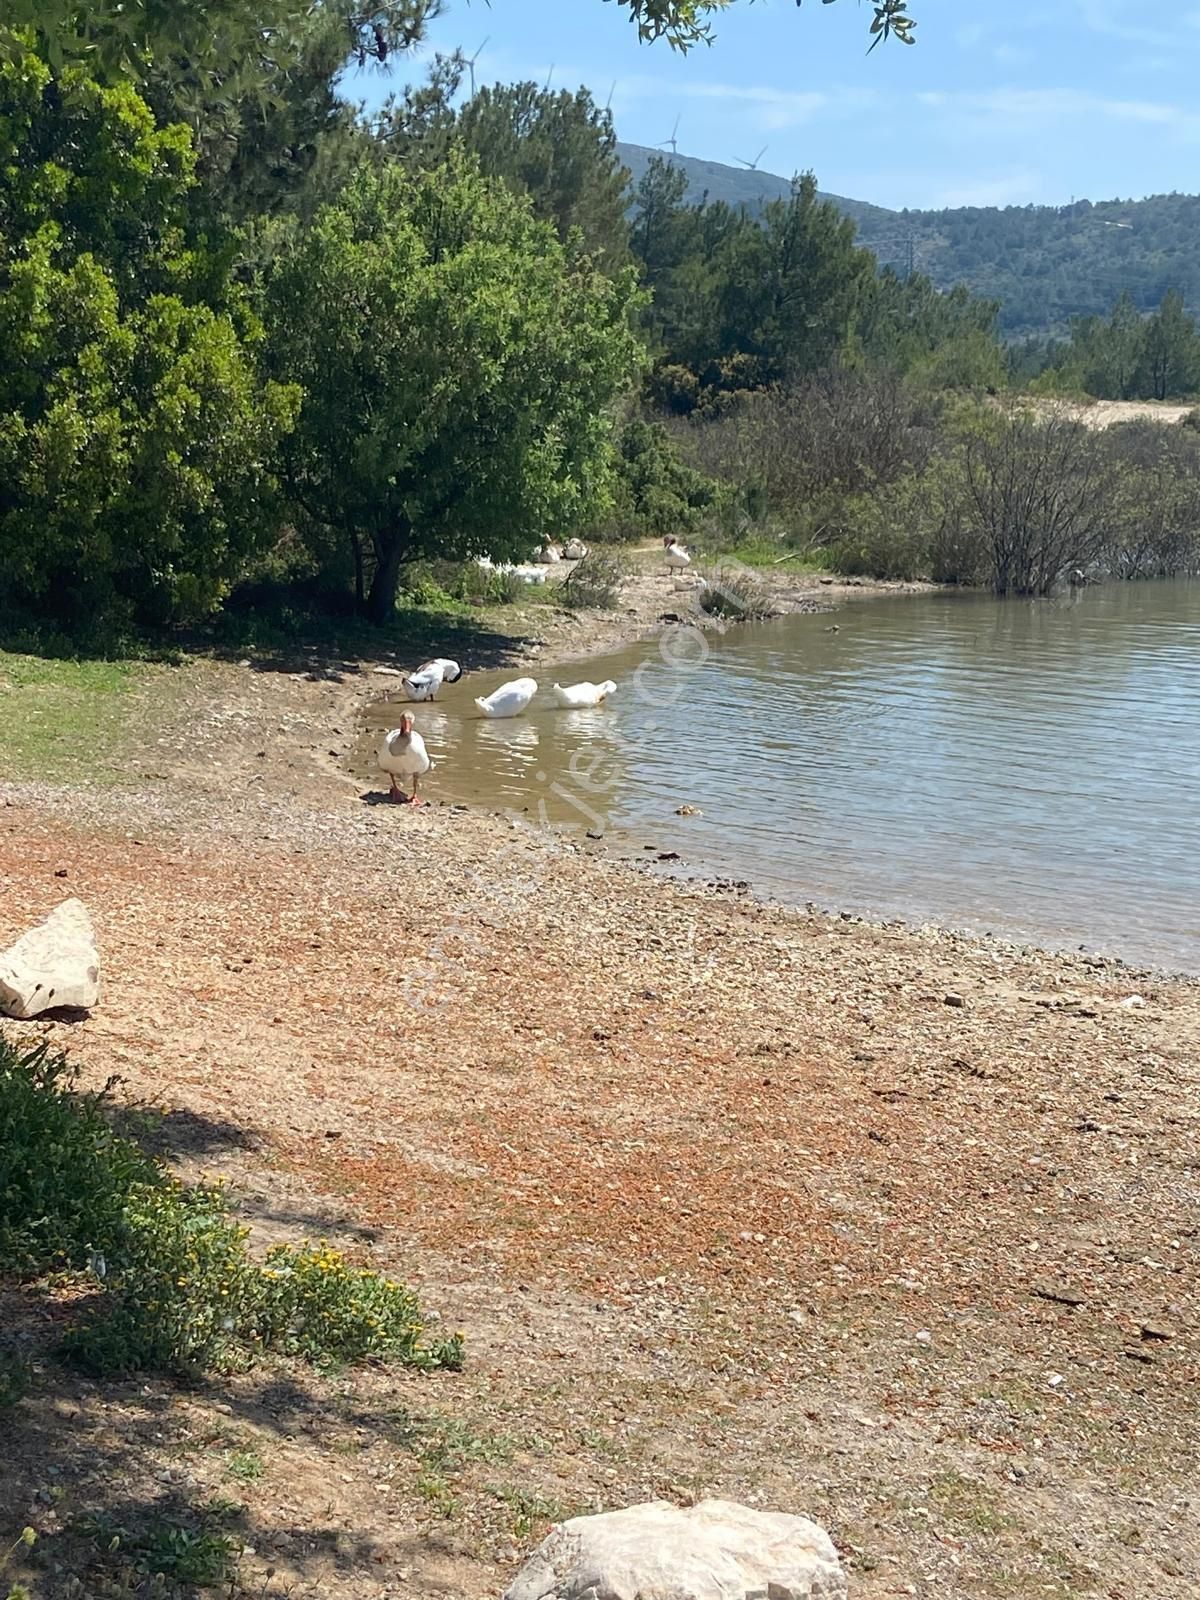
(1026, 768)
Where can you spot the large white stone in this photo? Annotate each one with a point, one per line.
(713, 1551)
(54, 964)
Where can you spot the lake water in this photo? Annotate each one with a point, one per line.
(1028, 769)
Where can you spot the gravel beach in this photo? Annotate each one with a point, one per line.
(886, 1226)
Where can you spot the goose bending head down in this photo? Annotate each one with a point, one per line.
(510, 699)
(402, 754)
(578, 696)
(676, 555)
(424, 683)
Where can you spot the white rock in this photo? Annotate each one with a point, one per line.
(713, 1551)
(54, 964)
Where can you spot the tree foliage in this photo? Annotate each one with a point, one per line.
(560, 150)
(688, 22)
(1124, 356)
(135, 436)
(225, 37)
(742, 301)
(459, 365)
(1046, 265)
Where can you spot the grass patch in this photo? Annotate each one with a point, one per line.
(173, 1287)
(530, 1515)
(196, 1552)
(763, 551)
(969, 1504)
(246, 1466)
(445, 1445)
(65, 719)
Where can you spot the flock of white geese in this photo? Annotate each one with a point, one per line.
(401, 752)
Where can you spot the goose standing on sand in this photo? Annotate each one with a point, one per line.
(402, 754)
(579, 696)
(424, 683)
(510, 699)
(677, 556)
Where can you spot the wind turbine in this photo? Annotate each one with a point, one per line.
(672, 143)
(611, 92)
(549, 75)
(752, 166)
(471, 60)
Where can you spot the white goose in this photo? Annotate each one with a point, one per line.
(510, 699)
(581, 695)
(677, 556)
(575, 550)
(424, 683)
(402, 754)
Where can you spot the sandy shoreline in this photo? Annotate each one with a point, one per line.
(867, 1222)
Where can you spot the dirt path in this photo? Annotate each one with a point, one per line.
(895, 1229)
(1101, 414)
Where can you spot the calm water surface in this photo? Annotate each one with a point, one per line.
(1028, 769)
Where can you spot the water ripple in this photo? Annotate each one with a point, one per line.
(1029, 768)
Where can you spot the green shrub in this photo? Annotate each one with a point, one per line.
(446, 584)
(735, 592)
(196, 1553)
(595, 584)
(657, 491)
(177, 1290)
(887, 534)
(181, 1297)
(65, 1176)
(494, 588)
(311, 1302)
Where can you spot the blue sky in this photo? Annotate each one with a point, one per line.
(1001, 102)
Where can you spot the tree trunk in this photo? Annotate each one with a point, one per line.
(390, 549)
(359, 584)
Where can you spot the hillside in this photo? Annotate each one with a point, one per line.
(1044, 264)
(737, 186)
(1047, 264)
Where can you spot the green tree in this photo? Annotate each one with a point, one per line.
(1119, 351)
(1170, 350)
(255, 80)
(135, 435)
(789, 289)
(117, 35)
(673, 244)
(561, 150)
(906, 325)
(460, 366)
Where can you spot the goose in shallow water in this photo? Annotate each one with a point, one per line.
(424, 683)
(578, 696)
(510, 699)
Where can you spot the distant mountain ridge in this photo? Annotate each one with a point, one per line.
(740, 186)
(1044, 264)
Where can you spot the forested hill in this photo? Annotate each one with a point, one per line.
(1044, 264)
(738, 186)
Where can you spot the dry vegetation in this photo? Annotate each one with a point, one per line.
(888, 1227)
